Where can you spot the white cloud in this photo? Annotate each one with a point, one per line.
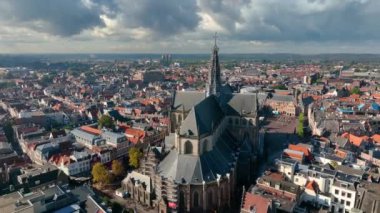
(188, 25)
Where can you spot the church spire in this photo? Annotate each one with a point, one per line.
(214, 82)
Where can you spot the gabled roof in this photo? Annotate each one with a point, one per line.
(282, 98)
(185, 169)
(355, 140)
(293, 154)
(202, 118)
(301, 148)
(376, 138)
(187, 100)
(341, 141)
(239, 104)
(91, 130)
(312, 185)
(257, 202)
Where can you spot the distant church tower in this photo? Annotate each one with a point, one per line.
(214, 83)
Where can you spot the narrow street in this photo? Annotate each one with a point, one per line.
(126, 203)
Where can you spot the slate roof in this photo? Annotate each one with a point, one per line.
(239, 104)
(202, 118)
(348, 170)
(282, 98)
(184, 168)
(226, 88)
(187, 99)
(83, 134)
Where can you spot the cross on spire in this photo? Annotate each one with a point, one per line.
(215, 37)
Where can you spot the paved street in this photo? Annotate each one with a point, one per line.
(127, 203)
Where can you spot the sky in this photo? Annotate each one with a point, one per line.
(188, 26)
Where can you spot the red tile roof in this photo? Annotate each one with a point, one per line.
(134, 135)
(355, 140)
(376, 138)
(303, 149)
(91, 130)
(376, 96)
(297, 155)
(340, 153)
(312, 185)
(257, 202)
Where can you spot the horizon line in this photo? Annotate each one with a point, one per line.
(200, 53)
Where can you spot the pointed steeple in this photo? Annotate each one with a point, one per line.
(214, 82)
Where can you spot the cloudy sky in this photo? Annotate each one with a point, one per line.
(187, 26)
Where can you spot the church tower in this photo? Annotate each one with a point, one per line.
(214, 82)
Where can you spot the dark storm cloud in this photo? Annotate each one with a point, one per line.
(297, 20)
(163, 17)
(58, 17)
(242, 20)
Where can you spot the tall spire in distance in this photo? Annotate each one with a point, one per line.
(214, 81)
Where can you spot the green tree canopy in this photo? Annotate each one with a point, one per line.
(134, 157)
(117, 168)
(106, 121)
(117, 208)
(46, 80)
(356, 90)
(300, 131)
(100, 174)
(334, 164)
(280, 87)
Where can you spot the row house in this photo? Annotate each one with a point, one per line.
(87, 139)
(118, 141)
(74, 164)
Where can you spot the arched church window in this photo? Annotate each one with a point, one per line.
(196, 199)
(209, 198)
(222, 193)
(188, 147)
(237, 121)
(244, 121)
(181, 201)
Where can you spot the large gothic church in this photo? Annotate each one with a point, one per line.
(213, 147)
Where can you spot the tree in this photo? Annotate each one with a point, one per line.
(280, 87)
(300, 131)
(100, 174)
(356, 90)
(134, 157)
(46, 80)
(106, 121)
(334, 164)
(116, 208)
(117, 168)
